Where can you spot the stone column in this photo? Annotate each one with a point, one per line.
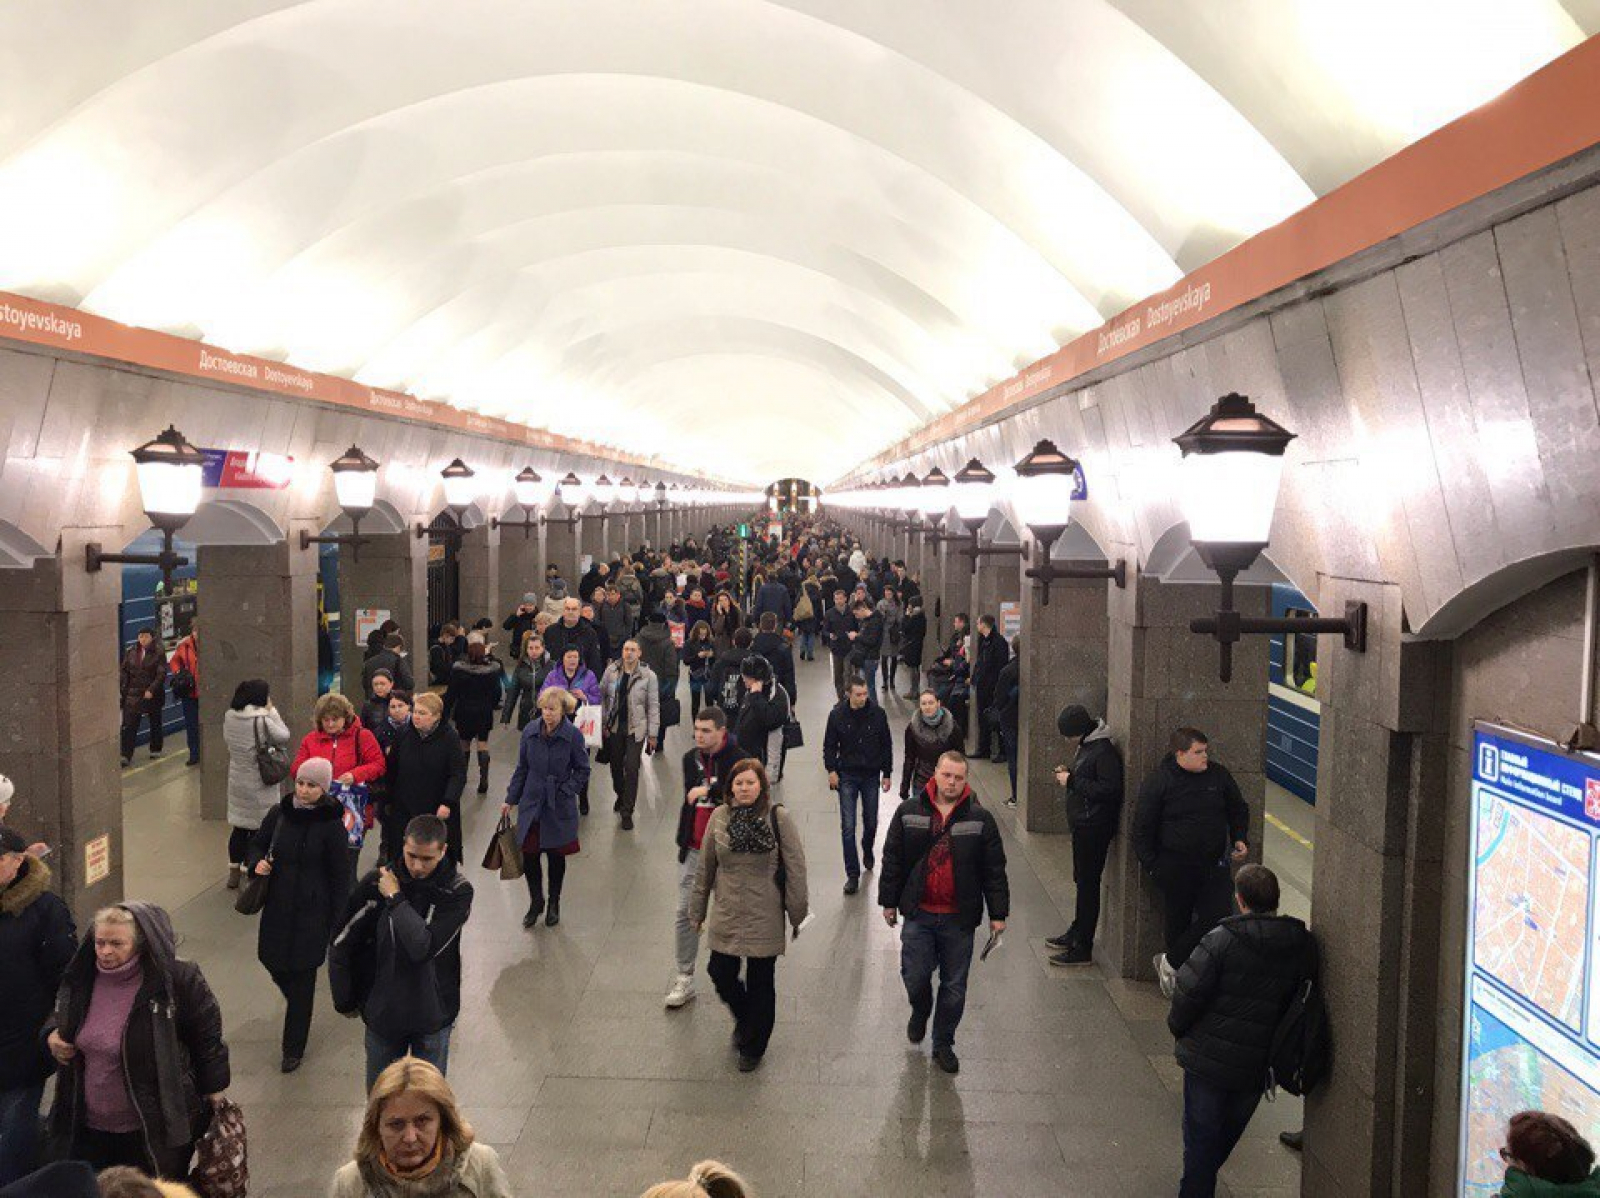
(521, 570)
(930, 577)
(955, 587)
(391, 575)
(996, 581)
(561, 548)
(1063, 661)
(258, 619)
(60, 712)
(479, 562)
(1162, 677)
(1382, 782)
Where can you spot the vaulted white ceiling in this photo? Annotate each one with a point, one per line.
(758, 238)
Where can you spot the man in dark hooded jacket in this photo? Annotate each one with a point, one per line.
(400, 943)
(1230, 996)
(1093, 786)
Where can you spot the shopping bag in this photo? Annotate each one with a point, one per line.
(354, 798)
(222, 1159)
(675, 630)
(587, 719)
(504, 854)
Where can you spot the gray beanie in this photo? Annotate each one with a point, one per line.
(318, 770)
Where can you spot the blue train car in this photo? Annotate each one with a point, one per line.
(141, 608)
(1294, 716)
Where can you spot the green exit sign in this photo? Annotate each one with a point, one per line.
(744, 530)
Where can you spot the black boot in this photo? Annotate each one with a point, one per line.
(535, 909)
(483, 771)
(553, 915)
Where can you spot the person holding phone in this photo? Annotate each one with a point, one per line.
(943, 863)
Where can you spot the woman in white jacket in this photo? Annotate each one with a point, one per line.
(251, 720)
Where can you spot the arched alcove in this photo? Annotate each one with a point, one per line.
(1173, 559)
(17, 549)
(231, 522)
(383, 518)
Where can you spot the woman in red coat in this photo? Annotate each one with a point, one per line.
(338, 736)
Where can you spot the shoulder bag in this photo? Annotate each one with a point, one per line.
(272, 760)
(781, 874)
(253, 890)
(794, 736)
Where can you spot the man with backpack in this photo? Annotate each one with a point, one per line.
(1247, 1017)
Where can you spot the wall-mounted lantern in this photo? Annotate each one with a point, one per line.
(170, 472)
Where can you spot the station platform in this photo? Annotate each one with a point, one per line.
(566, 1061)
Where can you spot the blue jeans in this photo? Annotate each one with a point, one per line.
(383, 1052)
(929, 942)
(19, 1131)
(808, 644)
(1213, 1121)
(191, 726)
(865, 788)
(869, 674)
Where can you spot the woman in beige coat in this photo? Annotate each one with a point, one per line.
(414, 1143)
(752, 861)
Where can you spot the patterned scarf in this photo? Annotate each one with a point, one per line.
(749, 831)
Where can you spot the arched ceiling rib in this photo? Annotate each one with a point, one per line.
(809, 216)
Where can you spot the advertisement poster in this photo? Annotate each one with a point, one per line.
(368, 620)
(1010, 617)
(1532, 1023)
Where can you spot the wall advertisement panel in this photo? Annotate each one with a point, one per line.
(1532, 1008)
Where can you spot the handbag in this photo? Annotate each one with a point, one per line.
(253, 890)
(352, 963)
(504, 854)
(272, 760)
(587, 721)
(183, 684)
(781, 874)
(222, 1155)
(793, 735)
(354, 798)
(671, 712)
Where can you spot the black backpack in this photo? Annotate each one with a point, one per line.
(1302, 1045)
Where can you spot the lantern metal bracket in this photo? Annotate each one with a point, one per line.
(95, 558)
(527, 524)
(1227, 626)
(353, 538)
(1044, 571)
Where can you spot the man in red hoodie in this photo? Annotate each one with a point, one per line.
(943, 862)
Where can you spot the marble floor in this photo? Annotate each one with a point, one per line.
(566, 1061)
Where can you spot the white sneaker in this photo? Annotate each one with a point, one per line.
(682, 992)
(1166, 975)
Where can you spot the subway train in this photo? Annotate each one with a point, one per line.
(1294, 716)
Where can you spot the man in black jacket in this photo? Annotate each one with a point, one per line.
(942, 862)
(858, 753)
(1094, 812)
(1229, 998)
(1008, 712)
(837, 625)
(705, 787)
(866, 643)
(427, 771)
(572, 630)
(1190, 820)
(770, 644)
(37, 940)
(402, 929)
(989, 656)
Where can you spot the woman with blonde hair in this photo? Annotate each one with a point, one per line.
(708, 1179)
(753, 865)
(415, 1143)
(552, 770)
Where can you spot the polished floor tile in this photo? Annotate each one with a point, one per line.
(567, 1062)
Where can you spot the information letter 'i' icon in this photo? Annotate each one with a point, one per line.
(1489, 763)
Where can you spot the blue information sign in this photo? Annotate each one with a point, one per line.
(1532, 1011)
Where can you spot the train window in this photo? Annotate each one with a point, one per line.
(1300, 656)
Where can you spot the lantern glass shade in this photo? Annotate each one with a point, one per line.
(528, 487)
(625, 492)
(604, 490)
(934, 494)
(1228, 480)
(459, 486)
(910, 500)
(572, 490)
(974, 490)
(1229, 498)
(170, 471)
(1046, 478)
(661, 494)
(355, 481)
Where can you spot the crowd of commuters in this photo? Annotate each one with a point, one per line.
(591, 674)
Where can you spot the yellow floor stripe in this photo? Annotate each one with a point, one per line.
(150, 765)
(1287, 831)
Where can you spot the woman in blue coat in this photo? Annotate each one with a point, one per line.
(552, 770)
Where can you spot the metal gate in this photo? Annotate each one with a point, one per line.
(444, 572)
